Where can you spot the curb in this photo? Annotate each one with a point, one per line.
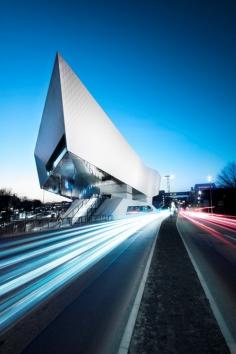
(214, 307)
(126, 338)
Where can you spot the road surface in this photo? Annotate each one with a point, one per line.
(72, 290)
(211, 240)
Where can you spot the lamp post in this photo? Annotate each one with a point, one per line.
(199, 198)
(209, 178)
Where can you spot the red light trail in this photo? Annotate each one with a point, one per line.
(214, 224)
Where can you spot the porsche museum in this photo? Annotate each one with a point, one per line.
(80, 154)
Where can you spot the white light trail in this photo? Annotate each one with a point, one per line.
(34, 268)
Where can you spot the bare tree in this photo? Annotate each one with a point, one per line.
(5, 191)
(227, 176)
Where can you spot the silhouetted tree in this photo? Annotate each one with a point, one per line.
(28, 204)
(10, 201)
(227, 176)
(5, 191)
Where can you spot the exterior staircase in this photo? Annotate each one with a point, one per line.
(80, 211)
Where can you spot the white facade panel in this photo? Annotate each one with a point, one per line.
(52, 124)
(92, 136)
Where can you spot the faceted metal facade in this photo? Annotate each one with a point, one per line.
(80, 151)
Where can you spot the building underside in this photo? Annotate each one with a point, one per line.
(73, 177)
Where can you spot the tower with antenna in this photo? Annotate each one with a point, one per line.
(168, 177)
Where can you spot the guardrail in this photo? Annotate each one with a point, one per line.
(35, 225)
(85, 220)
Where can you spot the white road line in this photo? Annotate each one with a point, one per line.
(215, 309)
(126, 339)
(232, 238)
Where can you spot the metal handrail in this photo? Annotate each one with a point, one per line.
(74, 211)
(37, 225)
(95, 206)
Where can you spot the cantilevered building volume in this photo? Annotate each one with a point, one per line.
(80, 153)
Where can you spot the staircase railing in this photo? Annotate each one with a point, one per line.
(91, 210)
(75, 210)
(69, 219)
(72, 213)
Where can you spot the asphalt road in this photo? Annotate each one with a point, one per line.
(88, 311)
(212, 243)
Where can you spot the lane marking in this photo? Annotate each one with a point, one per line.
(126, 339)
(230, 341)
(232, 238)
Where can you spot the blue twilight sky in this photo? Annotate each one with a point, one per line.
(164, 71)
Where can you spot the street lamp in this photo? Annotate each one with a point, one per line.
(209, 178)
(199, 197)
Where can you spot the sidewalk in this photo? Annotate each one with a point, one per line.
(174, 316)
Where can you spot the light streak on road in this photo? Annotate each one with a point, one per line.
(63, 241)
(215, 225)
(47, 238)
(33, 268)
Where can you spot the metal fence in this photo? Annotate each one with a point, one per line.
(35, 225)
(87, 219)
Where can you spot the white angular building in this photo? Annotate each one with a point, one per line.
(80, 153)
